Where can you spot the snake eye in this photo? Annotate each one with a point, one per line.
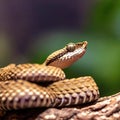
(70, 47)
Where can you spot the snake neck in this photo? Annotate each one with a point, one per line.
(66, 56)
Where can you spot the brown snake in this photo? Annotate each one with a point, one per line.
(18, 90)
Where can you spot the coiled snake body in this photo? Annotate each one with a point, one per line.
(18, 90)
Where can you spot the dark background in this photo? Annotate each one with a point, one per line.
(31, 30)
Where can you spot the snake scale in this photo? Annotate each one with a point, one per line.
(20, 84)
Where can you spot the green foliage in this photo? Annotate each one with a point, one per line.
(105, 17)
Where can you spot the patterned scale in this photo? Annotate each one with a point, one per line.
(23, 94)
(32, 72)
(75, 91)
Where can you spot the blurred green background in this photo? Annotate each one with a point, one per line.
(31, 30)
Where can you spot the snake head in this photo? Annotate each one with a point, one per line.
(68, 55)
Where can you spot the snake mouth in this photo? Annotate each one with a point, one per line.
(81, 45)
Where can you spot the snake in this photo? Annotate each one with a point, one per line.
(32, 85)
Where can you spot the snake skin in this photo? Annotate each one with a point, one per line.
(17, 90)
(23, 94)
(31, 72)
